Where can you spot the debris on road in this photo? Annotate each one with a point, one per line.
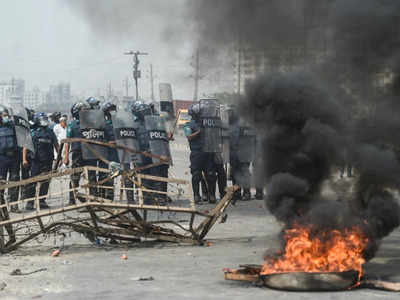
(149, 278)
(18, 272)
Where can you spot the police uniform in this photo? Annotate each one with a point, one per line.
(112, 155)
(44, 141)
(10, 158)
(74, 131)
(200, 162)
(240, 170)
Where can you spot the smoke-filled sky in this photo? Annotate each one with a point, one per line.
(82, 42)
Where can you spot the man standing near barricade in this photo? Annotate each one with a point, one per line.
(140, 110)
(197, 156)
(10, 154)
(112, 154)
(74, 131)
(125, 128)
(45, 142)
(204, 135)
(158, 140)
(26, 191)
(242, 151)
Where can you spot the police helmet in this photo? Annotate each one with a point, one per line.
(135, 105)
(41, 119)
(77, 107)
(55, 117)
(108, 107)
(144, 110)
(194, 110)
(93, 103)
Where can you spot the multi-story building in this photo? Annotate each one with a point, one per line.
(60, 93)
(34, 98)
(12, 88)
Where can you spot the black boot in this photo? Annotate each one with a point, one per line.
(246, 195)
(197, 199)
(259, 194)
(211, 187)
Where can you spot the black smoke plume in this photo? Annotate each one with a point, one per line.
(342, 107)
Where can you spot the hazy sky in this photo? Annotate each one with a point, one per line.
(82, 42)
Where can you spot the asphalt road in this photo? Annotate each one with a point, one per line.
(85, 271)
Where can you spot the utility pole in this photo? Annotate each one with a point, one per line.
(196, 76)
(136, 71)
(152, 83)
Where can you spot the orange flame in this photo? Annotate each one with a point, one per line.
(329, 251)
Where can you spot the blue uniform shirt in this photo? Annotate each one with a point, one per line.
(190, 128)
(74, 131)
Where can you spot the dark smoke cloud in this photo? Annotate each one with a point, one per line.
(315, 120)
(306, 139)
(254, 22)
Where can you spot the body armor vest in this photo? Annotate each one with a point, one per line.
(43, 143)
(7, 139)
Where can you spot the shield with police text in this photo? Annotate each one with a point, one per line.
(125, 127)
(92, 125)
(211, 129)
(22, 127)
(246, 143)
(158, 137)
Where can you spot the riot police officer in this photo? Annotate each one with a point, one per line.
(74, 131)
(44, 142)
(140, 110)
(200, 162)
(26, 191)
(112, 154)
(10, 155)
(242, 149)
(159, 145)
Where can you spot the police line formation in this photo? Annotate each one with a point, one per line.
(30, 141)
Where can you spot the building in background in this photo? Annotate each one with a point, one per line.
(34, 98)
(11, 88)
(59, 94)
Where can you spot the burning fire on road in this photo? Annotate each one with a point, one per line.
(327, 251)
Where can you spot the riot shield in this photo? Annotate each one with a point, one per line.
(246, 143)
(22, 127)
(225, 151)
(125, 127)
(92, 125)
(157, 135)
(210, 125)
